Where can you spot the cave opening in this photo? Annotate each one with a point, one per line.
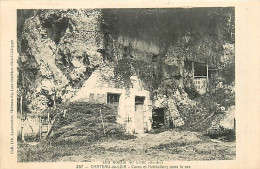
(158, 118)
(200, 69)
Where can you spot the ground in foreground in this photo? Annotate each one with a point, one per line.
(165, 146)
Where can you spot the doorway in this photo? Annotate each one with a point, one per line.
(139, 114)
(158, 118)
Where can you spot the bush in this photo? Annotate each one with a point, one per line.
(83, 124)
(222, 133)
(192, 92)
(224, 96)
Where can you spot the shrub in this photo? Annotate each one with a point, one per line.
(83, 124)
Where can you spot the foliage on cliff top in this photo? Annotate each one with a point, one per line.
(151, 74)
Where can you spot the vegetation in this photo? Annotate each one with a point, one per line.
(171, 145)
(81, 126)
(88, 123)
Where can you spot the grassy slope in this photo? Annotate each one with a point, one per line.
(165, 146)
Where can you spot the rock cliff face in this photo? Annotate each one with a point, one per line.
(59, 49)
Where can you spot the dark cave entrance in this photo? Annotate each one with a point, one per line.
(158, 118)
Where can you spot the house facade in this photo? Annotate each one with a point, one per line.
(134, 105)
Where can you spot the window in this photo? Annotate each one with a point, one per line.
(200, 69)
(139, 100)
(113, 98)
(101, 98)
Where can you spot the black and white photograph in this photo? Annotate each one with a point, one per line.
(126, 84)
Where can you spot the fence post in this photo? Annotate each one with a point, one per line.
(102, 121)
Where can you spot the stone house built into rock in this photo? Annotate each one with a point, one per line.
(133, 105)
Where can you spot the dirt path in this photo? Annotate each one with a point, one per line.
(165, 146)
(146, 141)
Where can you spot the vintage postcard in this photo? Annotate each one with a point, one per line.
(116, 84)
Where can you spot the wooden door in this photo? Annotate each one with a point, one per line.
(139, 114)
(139, 118)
